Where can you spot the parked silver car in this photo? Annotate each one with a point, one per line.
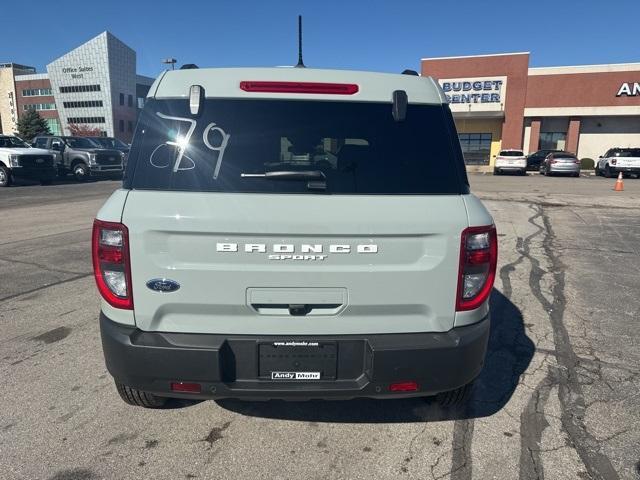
(565, 163)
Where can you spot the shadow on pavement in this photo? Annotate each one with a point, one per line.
(509, 353)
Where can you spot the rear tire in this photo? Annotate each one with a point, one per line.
(608, 173)
(46, 182)
(455, 398)
(496, 171)
(5, 176)
(138, 398)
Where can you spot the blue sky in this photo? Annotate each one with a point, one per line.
(366, 35)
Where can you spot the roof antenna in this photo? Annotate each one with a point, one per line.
(300, 62)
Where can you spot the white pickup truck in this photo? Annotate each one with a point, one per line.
(625, 160)
(19, 160)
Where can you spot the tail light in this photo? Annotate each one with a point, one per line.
(404, 387)
(299, 87)
(111, 266)
(553, 161)
(186, 387)
(478, 259)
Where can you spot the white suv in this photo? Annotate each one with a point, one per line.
(294, 233)
(616, 160)
(510, 160)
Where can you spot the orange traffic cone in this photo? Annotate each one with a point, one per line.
(619, 184)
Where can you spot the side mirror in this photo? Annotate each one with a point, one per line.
(57, 146)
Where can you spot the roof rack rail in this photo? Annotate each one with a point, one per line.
(410, 72)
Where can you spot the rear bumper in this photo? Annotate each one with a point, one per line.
(103, 170)
(625, 169)
(564, 168)
(510, 168)
(227, 366)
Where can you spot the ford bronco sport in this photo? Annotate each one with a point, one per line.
(294, 234)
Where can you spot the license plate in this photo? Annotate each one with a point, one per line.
(295, 375)
(297, 361)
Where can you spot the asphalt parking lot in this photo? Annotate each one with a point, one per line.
(559, 397)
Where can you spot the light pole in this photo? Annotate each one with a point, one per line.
(170, 61)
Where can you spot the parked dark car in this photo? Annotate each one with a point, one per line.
(535, 159)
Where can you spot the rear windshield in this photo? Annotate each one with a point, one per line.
(340, 147)
(511, 153)
(564, 155)
(626, 152)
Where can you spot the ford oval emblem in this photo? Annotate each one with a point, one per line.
(163, 285)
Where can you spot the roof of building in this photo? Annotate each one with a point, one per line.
(32, 76)
(476, 56)
(603, 68)
(17, 66)
(144, 80)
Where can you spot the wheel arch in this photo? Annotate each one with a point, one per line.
(78, 160)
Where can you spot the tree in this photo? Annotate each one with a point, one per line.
(31, 124)
(78, 130)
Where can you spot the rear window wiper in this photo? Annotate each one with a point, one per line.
(317, 180)
(288, 175)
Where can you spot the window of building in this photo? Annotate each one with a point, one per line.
(83, 104)
(476, 148)
(85, 119)
(36, 92)
(80, 88)
(130, 126)
(39, 106)
(54, 126)
(140, 102)
(130, 100)
(121, 123)
(553, 140)
(122, 99)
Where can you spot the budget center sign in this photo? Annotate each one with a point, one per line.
(475, 94)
